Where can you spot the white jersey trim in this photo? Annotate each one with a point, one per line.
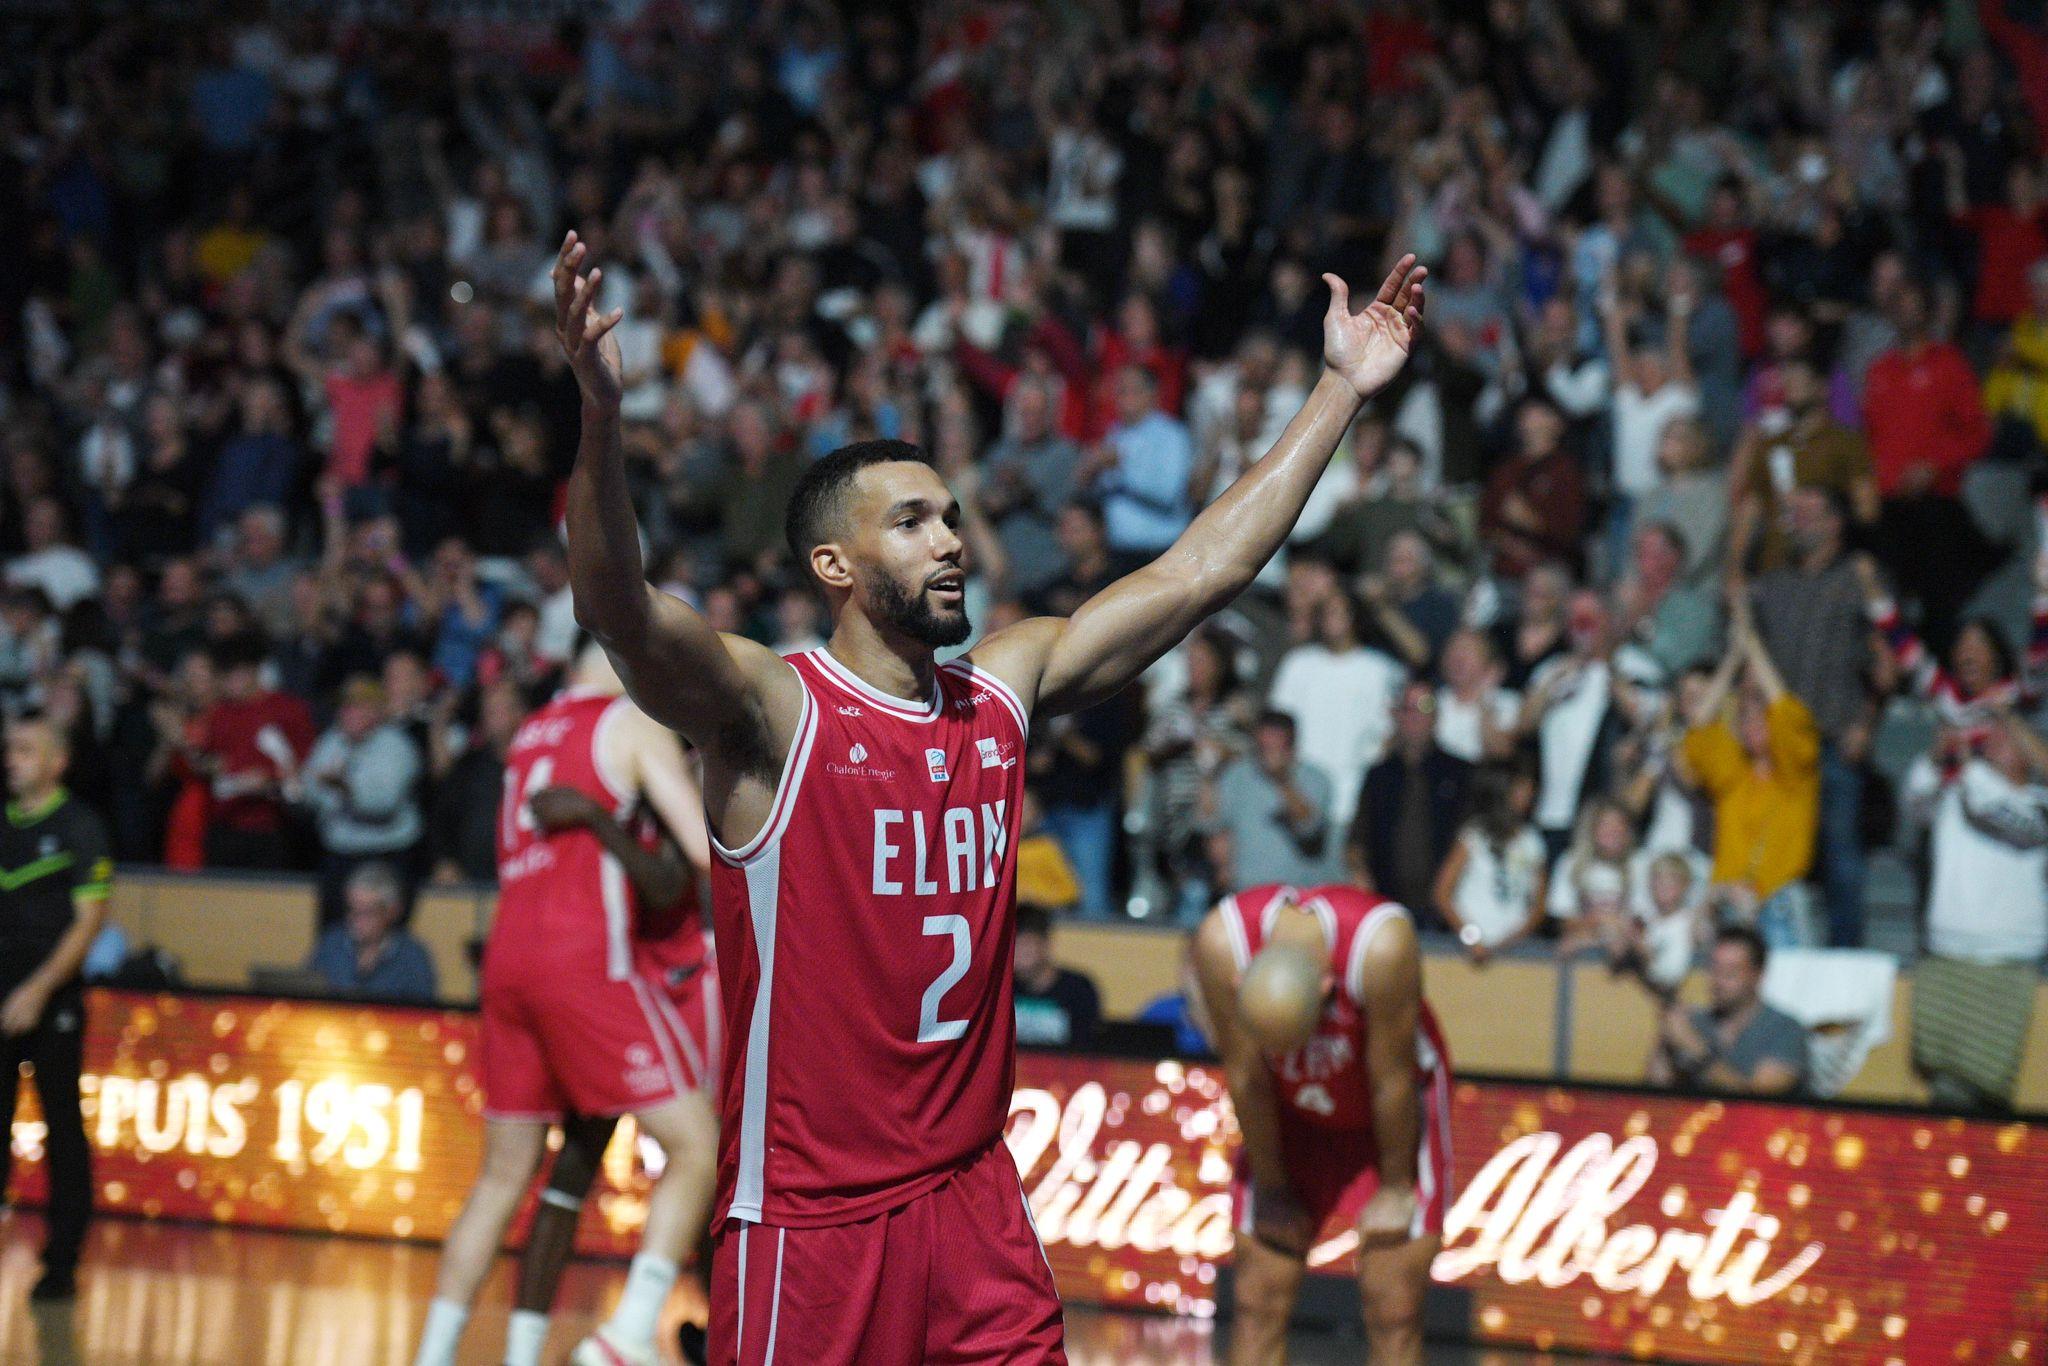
(775, 1298)
(764, 881)
(612, 895)
(1354, 962)
(786, 785)
(967, 671)
(621, 796)
(901, 708)
(1233, 926)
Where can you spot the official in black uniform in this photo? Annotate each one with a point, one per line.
(54, 873)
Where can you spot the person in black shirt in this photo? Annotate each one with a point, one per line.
(54, 874)
(1055, 1005)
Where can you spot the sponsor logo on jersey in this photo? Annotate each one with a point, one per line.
(935, 762)
(994, 753)
(858, 767)
(851, 711)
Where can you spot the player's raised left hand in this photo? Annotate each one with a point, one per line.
(1368, 348)
(1388, 1219)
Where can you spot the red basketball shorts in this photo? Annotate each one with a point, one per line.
(595, 1046)
(1334, 1173)
(955, 1277)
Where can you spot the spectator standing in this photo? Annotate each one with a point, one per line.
(1925, 415)
(1341, 694)
(1691, 496)
(361, 783)
(1534, 508)
(1490, 890)
(1412, 608)
(1031, 476)
(468, 801)
(369, 953)
(1078, 765)
(1987, 913)
(1810, 621)
(1537, 631)
(1142, 472)
(1187, 741)
(1271, 810)
(1409, 808)
(1763, 773)
(250, 744)
(1735, 1043)
(1797, 447)
(1057, 1007)
(1578, 706)
(1653, 387)
(1675, 622)
(1475, 714)
(52, 563)
(260, 572)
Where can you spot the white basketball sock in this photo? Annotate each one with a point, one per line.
(648, 1282)
(525, 1335)
(445, 1321)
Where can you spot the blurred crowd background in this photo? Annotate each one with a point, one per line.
(1685, 578)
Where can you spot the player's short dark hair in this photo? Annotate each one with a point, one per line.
(1033, 918)
(1751, 941)
(819, 499)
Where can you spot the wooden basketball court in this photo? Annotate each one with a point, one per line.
(160, 1294)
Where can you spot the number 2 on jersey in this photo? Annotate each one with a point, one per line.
(930, 1028)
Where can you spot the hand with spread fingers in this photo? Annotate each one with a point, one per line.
(586, 334)
(1369, 347)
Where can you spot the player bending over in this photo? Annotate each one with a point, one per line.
(863, 802)
(593, 1005)
(1341, 1085)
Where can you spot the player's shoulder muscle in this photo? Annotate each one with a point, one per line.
(1017, 655)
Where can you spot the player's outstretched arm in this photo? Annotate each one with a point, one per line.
(1066, 665)
(679, 670)
(1391, 988)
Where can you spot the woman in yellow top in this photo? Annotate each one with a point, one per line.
(1763, 773)
(2018, 384)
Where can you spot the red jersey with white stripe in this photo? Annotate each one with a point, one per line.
(1324, 1088)
(1327, 1082)
(561, 897)
(864, 941)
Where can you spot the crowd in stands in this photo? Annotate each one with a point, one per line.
(1686, 565)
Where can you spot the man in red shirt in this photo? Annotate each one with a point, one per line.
(1924, 414)
(249, 742)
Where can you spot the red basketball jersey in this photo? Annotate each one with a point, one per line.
(864, 939)
(562, 900)
(1327, 1083)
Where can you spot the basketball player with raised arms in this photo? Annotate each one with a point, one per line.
(863, 802)
(1341, 1086)
(586, 1015)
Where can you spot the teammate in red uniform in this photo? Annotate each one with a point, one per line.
(863, 803)
(1341, 1085)
(577, 1016)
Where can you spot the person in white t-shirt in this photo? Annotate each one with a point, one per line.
(1341, 694)
(1577, 704)
(1653, 385)
(1987, 911)
(1475, 715)
(1491, 889)
(1590, 890)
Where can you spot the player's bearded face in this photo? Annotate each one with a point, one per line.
(930, 607)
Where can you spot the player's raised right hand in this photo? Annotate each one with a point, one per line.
(585, 334)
